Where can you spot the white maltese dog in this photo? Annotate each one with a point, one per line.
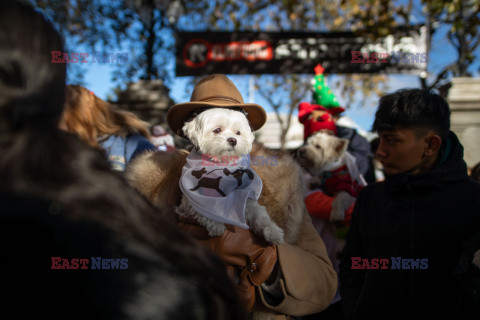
(217, 183)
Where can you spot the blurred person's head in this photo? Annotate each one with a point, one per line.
(31, 87)
(60, 198)
(90, 117)
(413, 125)
(158, 130)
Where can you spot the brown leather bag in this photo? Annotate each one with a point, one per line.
(249, 260)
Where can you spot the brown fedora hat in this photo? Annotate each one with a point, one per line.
(215, 91)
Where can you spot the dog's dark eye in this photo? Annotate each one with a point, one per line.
(317, 146)
(218, 130)
(238, 133)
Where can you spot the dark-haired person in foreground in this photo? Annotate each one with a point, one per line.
(407, 232)
(76, 241)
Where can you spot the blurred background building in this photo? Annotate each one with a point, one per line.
(464, 100)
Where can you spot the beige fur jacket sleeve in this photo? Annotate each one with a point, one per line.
(308, 281)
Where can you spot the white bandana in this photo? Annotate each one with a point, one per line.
(218, 188)
(349, 160)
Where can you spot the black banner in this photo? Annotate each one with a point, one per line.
(201, 53)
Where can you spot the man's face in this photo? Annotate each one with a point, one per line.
(401, 150)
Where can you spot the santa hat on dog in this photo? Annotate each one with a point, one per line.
(312, 122)
(324, 100)
(214, 91)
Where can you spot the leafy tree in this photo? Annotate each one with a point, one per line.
(463, 19)
(288, 91)
(150, 25)
(80, 22)
(145, 25)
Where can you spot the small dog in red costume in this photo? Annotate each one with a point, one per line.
(325, 157)
(333, 169)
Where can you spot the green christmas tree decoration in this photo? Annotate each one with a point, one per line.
(323, 95)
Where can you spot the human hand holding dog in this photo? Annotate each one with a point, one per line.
(249, 260)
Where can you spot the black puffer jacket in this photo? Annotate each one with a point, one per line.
(423, 216)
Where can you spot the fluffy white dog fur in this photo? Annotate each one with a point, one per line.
(324, 152)
(209, 132)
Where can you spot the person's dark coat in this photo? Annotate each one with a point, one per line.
(422, 216)
(468, 281)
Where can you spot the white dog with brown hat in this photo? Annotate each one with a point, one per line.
(218, 185)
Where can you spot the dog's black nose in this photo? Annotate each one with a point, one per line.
(232, 141)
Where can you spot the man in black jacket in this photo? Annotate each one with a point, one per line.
(406, 233)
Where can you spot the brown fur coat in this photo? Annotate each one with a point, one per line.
(308, 279)
(156, 175)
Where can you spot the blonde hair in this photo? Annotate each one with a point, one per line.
(89, 117)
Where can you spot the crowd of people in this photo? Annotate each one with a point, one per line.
(90, 197)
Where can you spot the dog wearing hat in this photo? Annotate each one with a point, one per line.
(218, 183)
(216, 113)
